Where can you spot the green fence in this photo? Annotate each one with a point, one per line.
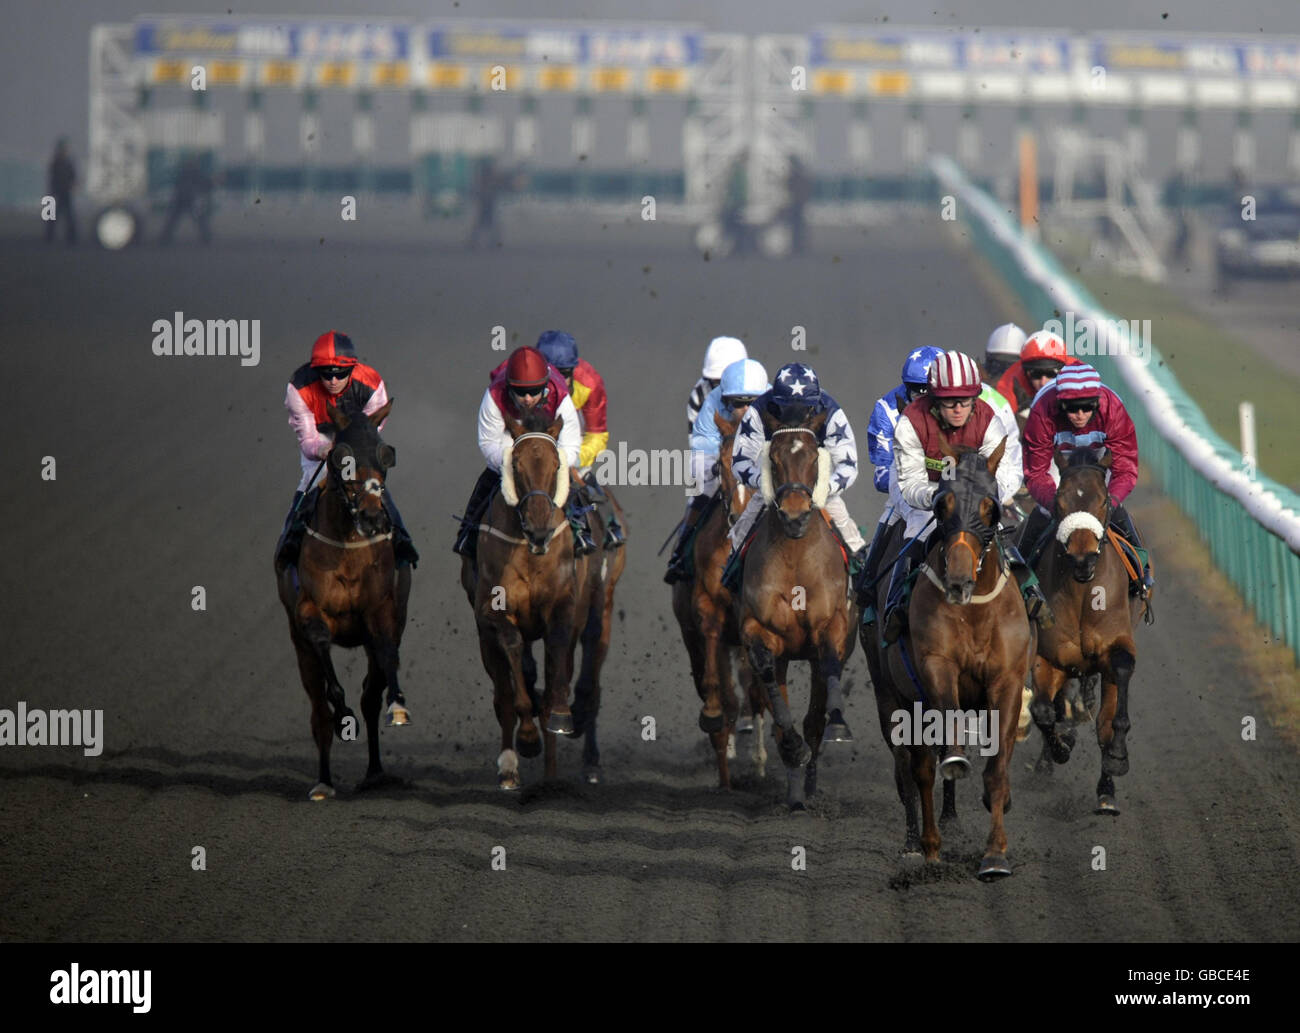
(1250, 523)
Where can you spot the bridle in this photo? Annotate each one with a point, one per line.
(550, 501)
(784, 489)
(973, 528)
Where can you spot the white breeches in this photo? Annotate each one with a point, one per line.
(835, 508)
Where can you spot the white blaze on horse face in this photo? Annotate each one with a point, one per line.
(794, 449)
(374, 487)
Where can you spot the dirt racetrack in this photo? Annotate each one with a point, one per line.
(176, 472)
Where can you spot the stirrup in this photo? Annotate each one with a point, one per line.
(614, 537)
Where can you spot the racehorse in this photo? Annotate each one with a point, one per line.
(795, 602)
(968, 648)
(1086, 582)
(705, 611)
(529, 585)
(346, 591)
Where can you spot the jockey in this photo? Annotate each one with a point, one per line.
(333, 375)
(1006, 341)
(522, 383)
(952, 412)
(796, 392)
(741, 382)
(723, 351)
(1001, 352)
(1079, 411)
(587, 389)
(880, 447)
(1040, 360)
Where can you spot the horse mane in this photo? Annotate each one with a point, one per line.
(535, 420)
(1087, 456)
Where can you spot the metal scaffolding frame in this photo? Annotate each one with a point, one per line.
(115, 169)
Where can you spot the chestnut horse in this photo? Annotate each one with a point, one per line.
(967, 648)
(795, 602)
(346, 591)
(706, 613)
(1086, 582)
(529, 585)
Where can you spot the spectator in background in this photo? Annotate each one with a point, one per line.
(61, 179)
(192, 195)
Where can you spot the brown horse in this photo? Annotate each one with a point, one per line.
(706, 613)
(1086, 583)
(346, 591)
(533, 587)
(968, 649)
(795, 602)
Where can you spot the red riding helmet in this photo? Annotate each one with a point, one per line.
(1043, 349)
(333, 349)
(954, 375)
(527, 368)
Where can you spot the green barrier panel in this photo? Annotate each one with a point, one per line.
(1263, 566)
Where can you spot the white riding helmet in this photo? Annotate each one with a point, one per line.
(723, 351)
(746, 379)
(1006, 340)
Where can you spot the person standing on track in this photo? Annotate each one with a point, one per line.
(523, 383)
(60, 181)
(587, 389)
(334, 376)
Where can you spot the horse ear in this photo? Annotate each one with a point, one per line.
(337, 416)
(515, 426)
(554, 429)
(1104, 458)
(819, 421)
(379, 415)
(765, 417)
(996, 457)
(945, 448)
(1062, 460)
(723, 424)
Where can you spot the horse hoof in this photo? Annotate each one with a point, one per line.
(510, 783)
(797, 808)
(745, 724)
(711, 724)
(795, 755)
(1106, 805)
(837, 732)
(994, 867)
(528, 747)
(396, 715)
(954, 766)
(560, 724)
(592, 775)
(320, 791)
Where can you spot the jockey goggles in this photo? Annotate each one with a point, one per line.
(1039, 372)
(335, 372)
(527, 390)
(739, 401)
(915, 391)
(1085, 405)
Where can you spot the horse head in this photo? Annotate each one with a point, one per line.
(735, 493)
(358, 464)
(1082, 508)
(967, 511)
(796, 472)
(534, 476)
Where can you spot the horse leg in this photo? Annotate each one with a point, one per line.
(384, 628)
(503, 705)
(940, 676)
(586, 694)
(762, 658)
(509, 640)
(557, 719)
(836, 727)
(796, 777)
(997, 783)
(814, 722)
(322, 725)
(923, 777)
(318, 636)
(716, 716)
(949, 812)
(372, 693)
(1113, 725)
(1048, 680)
(754, 698)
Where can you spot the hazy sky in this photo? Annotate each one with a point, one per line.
(45, 44)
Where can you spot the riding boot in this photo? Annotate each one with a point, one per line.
(577, 508)
(614, 536)
(295, 526)
(897, 599)
(1123, 523)
(1033, 533)
(677, 561)
(403, 547)
(869, 570)
(1036, 605)
(467, 537)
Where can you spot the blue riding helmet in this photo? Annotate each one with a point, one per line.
(745, 378)
(795, 390)
(916, 368)
(559, 348)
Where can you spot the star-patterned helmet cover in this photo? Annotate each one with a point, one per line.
(795, 390)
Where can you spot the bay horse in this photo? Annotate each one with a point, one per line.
(347, 591)
(967, 647)
(706, 614)
(529, 585)
(795, 602)
(1084, 576)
